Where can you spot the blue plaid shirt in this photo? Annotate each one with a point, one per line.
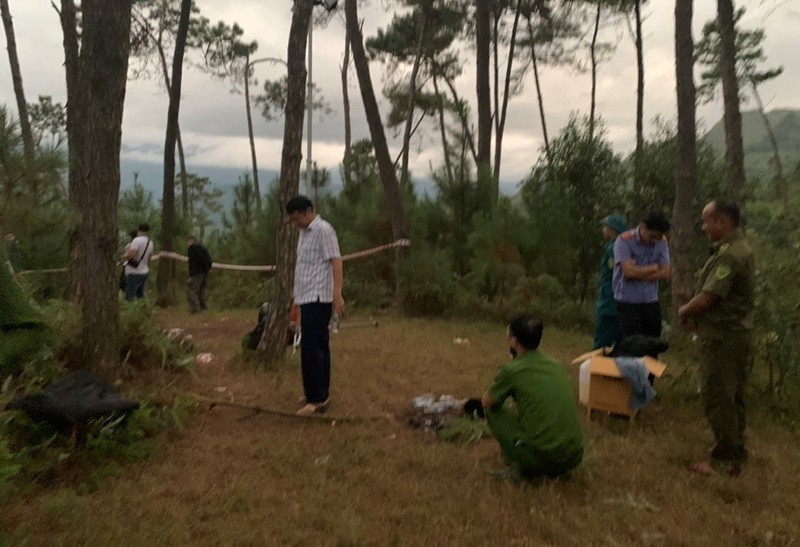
(629, 246)
(313, 272)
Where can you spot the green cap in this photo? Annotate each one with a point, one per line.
(616, 223)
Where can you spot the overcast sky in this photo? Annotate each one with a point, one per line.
(213, 119)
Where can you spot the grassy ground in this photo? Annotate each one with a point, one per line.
(230, 478)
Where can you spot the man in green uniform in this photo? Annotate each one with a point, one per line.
(606, 329)
(543, 436)
(722, 313)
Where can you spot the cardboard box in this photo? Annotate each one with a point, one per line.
(607, 390)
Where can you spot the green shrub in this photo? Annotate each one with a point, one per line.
(37, 451)
(371, 294)
(142, 343)
(233, 289)
(428, 286)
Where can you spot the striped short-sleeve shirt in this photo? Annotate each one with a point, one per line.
(313, 272)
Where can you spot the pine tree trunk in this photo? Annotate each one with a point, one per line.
(388, 176)
(637, 158)
(539, 97)
(256, 188)
(181, 156)
(16, 79)
(734, 147)
(168, 224)
(593, 52)
(412, 99)
(348, 178)
(781, 187)
(498, 148)
(462, 116)
(683, 210)
(443, 130)
(96, 79)
(273, 343)
(482, 48)
(182, 171)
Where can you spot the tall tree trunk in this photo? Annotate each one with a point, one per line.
(168, 224)
(443, 130)
(781, 188)
(462, 116)
(412, 99)
(683, 210)
(16, 78)
(348, 177)
(593, 52)
(181, 157)
(498, 139)
(273, 343)
(539, 97)
(495, 90)
(256, 188)
(96, 74)
(482, 46)
(185, 205)
(637, 158)
(734, 148)
(388, 175)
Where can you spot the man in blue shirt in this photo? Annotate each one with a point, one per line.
(641, 260)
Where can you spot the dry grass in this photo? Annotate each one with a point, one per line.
(228, 479)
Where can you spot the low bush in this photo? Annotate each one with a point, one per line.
(37, 452)
(142, 343)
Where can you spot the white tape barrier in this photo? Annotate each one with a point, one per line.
(245, 267)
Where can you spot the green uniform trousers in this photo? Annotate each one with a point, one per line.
(724, 369)
(606, 331)
(504, 425)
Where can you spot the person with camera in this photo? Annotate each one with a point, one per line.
(137, 263)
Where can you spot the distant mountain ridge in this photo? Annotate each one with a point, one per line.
(757, 147)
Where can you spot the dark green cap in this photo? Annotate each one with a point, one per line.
(616, 223)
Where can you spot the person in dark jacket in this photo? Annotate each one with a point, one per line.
(199, 266)
(606, 331)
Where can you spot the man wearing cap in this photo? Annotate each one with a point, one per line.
(641, 260)
(606, 329)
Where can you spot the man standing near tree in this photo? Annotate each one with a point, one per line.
(199, 266)
(722, 312)
(641, 260)
(318, 291)
(137, 263)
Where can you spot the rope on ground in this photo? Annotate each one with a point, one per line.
(247, 267)
(256, 409)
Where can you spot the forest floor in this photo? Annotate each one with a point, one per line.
(233, 478)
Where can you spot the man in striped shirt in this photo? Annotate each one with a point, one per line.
(318, 291)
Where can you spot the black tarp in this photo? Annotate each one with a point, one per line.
(74, 399)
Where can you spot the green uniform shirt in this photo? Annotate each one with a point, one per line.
(605, 291)
(729, 275)
(542, 392)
